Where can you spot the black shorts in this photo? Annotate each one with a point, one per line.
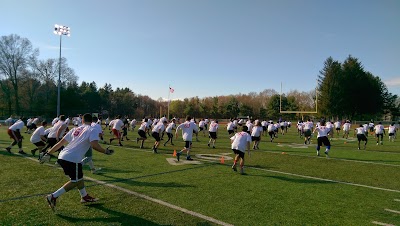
(33, 126)
(230, 132)
(323, 140)
(170, 135)
(307, 133)
(213, 135)
(237, 152)
(253, 138)
(361, 137)
(142, 134)
(201, 128)
(379, 135)
(264, 128)
(71, 169)
(391, 134)
(40, 144)
(188, 144)
(156, 136)
(337, 128)
(271, 133)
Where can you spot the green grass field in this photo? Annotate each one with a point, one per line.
(285, 184)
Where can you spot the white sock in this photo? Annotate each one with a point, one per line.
(83, 192)
(59, 192)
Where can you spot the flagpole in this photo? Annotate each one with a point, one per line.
(169, 92)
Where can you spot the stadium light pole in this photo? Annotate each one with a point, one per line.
(60, 30)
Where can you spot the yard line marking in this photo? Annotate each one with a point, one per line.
(328, 180)
(195, 214)
(348, 160)
(383, 224)
(393, 211)
(397, 200)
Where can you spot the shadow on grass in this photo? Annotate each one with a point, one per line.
(297, 180)
(115, 217)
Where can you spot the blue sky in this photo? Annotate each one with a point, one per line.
(210, 47)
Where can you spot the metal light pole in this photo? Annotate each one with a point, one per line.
(60, 30)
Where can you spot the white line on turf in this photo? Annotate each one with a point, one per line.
(393, 211)
(195, 214)
(397, 200)
(383, 224)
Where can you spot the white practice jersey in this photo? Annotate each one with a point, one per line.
(18, 125)
(170, 127)
(322, 131)
(379, 129)
(79, 139)
(213, 127)
(187, 130)
(36, 136)
(256, 131)
(240, 141)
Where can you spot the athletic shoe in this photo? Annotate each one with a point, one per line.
(213, 146)
(208, 144)
(358, 148)
(172, 144)
(326, 153)
(21, 152)
(120, 144)
(88, 198)
(317, 153)
(178, 155)
(234, 168)
(155, 151)
(165, 144)
(52, 201)
(96, 170)
(33, 152)
(241, 171)
(189, 158)
(110, 140)
(8, 150)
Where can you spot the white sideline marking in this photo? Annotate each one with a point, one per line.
(393, 211)
(346, 160)
(195, 214)
(383, 224)
(322, 179)
(199, 215)
(397, 200)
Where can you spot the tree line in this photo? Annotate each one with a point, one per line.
(28, 86)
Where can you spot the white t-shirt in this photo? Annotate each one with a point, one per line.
(307, 126)
(271, 127)
(337, 124)
(53, 132)
(79, 143)
(187, 130)
(143, 126)
(256, 131)
(213, 127)
(201, 124)
(392, 129)
(379, 129)
(133, 123)
(118, 124)
(240, 141)
(329, 125)
(346, 126)
(170, 127)
(158, 128)
(18, 125)
(230, 126)
(97, 128)
(322, 131)
(29, 121)
(36, 136)
(360, 130)
(55, 120)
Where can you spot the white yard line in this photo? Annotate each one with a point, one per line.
(195, 214)
(393, 211)
(383, 224)
(397, 200)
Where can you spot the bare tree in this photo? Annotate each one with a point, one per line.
(14, 55)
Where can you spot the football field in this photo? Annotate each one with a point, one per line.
(285, 184)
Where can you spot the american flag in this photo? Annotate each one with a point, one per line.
(171, 90)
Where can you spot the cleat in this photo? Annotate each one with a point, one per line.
(110, 140)
(178, 155)
(172, 144)
(33, 152)
(317, 153)
(127, 139)
(120, 144)
(8, 150)
(165, 144)
(88, 198)
(96, 171)
(234, 168)
(22, 152)
(52, 201)
(189, 159)
(208, 144)
(155, 151)
(358, 148)
(242, 171)
(213, 146)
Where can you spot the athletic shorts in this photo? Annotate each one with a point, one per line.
(271, 133)
(188, 144)
(39, 144)
(337, 128)
(323, 140)
(71, 169)
(237, 152)
(230, 132)
(89, 153)
(201, 128)
(16, 135)
(142, 134)
(391, 134)
(156, 136)
(379, 135)
(253, 138)
(116, 133)
(361, 137)
(264, 128)
(170, 135)
(307, 133)
(213, 135)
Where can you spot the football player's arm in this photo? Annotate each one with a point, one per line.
(59, 144)
(61, 129)
(96, 146)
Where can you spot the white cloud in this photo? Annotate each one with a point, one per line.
(393, 82)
